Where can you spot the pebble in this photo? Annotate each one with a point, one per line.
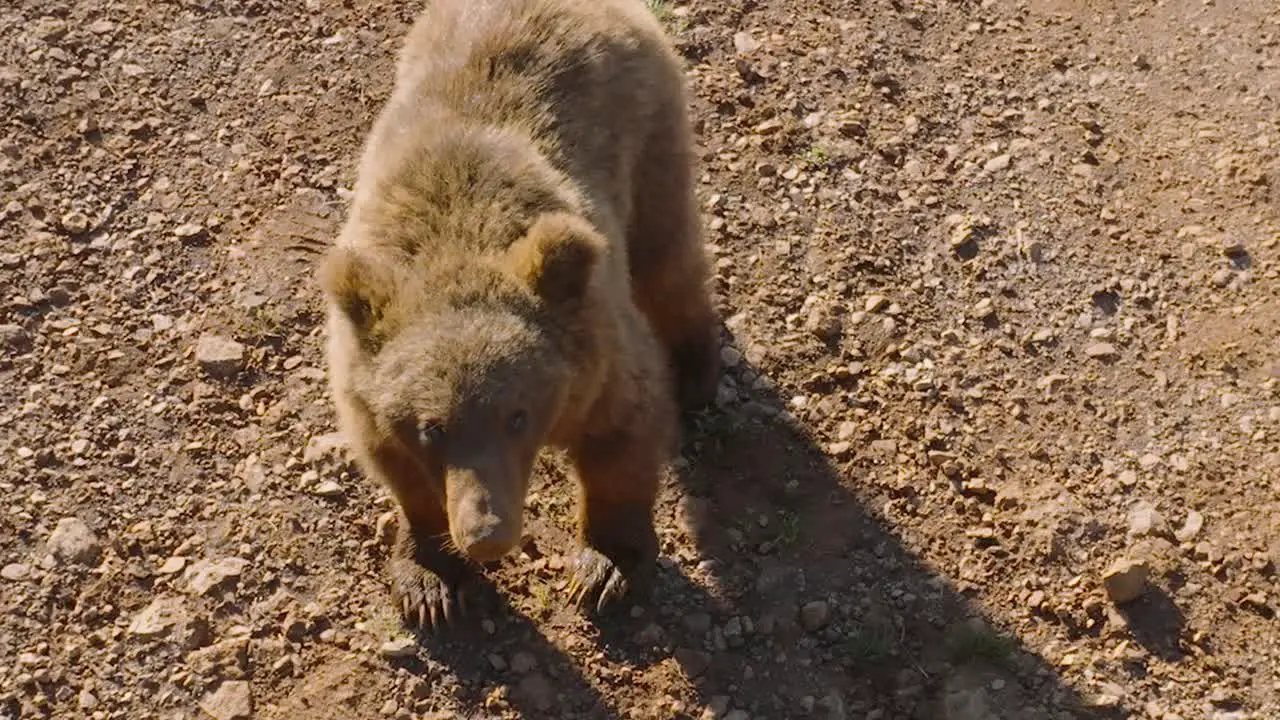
(231, 701)
(1126, 580)
(1221, 278)
(320, 447)
(1145, 520)
(398, 648)
(73, 541)
(158, 618)
(172, 565)
(731, 357)
(74, 223)
(14, 338)
(694, 662)
(15, 572)
(815, 615)
(1190, 527)
(874, 303)
(998, 163)
(1100, 351)
(523, 662)
(188, 230)
(219, 356)
(205, 575)
(328, 489)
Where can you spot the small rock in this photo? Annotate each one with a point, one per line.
(73, 541)
(14, 338)
(172, 565)
(188, 231)
(535, 688)
(328, 489)
(231, 701)
(523, 662)
(1101, 351)
(874, 303)
(744, 43)
(694, 662)
(1221, 278)
(1145, 520)
(321, 446)
(398, 648)
(998, 163)
(731, 357)
(1232, 247)
(15, 572)
(74, 223)
(158, 618)
(228, 659)
(815, 615)
(1126, 580)
(205, 575)
(219, 356)
(1190, 527)
(698, 622)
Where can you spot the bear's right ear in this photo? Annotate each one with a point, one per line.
(557, 257)
(360, 286)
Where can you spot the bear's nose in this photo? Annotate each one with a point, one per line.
(487, 538)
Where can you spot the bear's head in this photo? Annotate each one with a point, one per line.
(462, 367)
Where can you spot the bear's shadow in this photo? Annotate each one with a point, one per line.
(778, 592)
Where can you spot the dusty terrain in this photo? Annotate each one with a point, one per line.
(1002, 303)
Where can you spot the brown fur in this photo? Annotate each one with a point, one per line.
(522, 267)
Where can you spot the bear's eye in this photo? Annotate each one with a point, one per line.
(517, 422)
(431, 432)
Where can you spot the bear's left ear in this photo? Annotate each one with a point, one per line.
(557, 257)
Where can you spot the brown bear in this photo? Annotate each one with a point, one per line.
(521, 267)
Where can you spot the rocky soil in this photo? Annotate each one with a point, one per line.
(1000, 436)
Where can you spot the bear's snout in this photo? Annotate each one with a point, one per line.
(482, 525)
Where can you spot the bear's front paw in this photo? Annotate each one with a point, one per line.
(597, 582)
(426, 601)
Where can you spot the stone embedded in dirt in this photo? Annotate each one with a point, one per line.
(172, 565)
(536, 689)
(1190, 527)
(328, 489)
(320, 447)
(74, 223)
(1126, 580)
(694, 662)
(1101, 351)
(398, 648)
(1145, 520)
(998, 163)
(730, 356)
(815, 615)
(205, 575)
(697, 622)
(73, 541)
(228, 659)
(188, 231)
(219, 356)
(523, 662)
(231, 701)
(158, 618)
(1232, 247)
(744, 43)
(874, 303)
(14, 339)
(15, 572)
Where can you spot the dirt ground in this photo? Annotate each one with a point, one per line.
(1001, 287)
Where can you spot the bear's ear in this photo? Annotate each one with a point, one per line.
(359, 285)
(557, 257)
